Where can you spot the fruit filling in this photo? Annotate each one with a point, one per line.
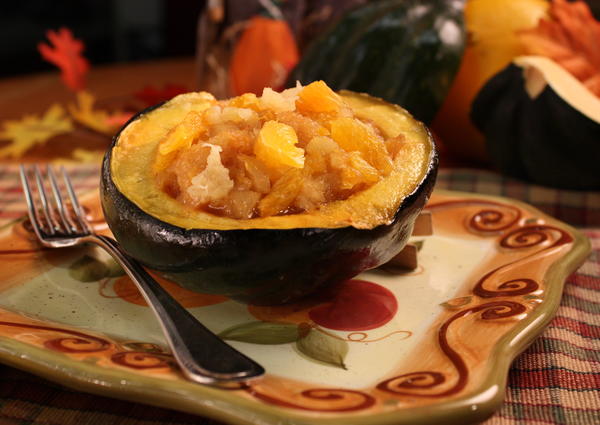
(281, 153)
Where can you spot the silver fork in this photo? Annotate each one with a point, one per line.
(202, 356)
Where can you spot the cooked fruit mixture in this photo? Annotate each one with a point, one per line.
(280, 153)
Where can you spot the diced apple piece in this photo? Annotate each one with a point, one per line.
(353, 135)
(213, 183)
(317, 151)
(282, 194)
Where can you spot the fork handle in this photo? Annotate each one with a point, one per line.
(202, 356)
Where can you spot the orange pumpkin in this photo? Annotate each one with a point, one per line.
(493, 43)
(263, 56)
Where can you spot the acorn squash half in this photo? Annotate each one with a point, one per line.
(270, 260)
(541, 124)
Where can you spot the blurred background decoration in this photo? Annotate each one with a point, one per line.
(443, 65)
(113, 30)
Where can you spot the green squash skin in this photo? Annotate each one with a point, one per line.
(386, 50)
(542, 140)
(257, 266)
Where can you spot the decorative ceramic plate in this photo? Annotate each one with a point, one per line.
(424, 347)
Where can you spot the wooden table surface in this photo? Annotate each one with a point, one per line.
(113, 85)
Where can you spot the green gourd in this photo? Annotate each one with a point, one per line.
(541, 124)
(404, 51)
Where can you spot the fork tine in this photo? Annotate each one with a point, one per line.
(74, 202)
(52, 225)
(62, 211)
(31, 210)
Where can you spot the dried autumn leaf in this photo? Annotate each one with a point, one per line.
(97, 119)
(65, 52)
(119, 119)
(151, 95)
(571, 38)
(31, 131)
(87, 156)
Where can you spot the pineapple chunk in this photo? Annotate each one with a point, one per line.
(213, 183)
(317, 151)
(276, 146)
(277, 101)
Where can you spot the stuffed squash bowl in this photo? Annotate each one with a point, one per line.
(267, 199)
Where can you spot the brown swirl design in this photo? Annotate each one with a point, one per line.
(406, 384)
(142, 359)
(528, 236)
(497, 218)
(411, 381)
(521, 238)
(492, 221)
(511, 288)
(86, 344)
(340, 400)
(78, 343)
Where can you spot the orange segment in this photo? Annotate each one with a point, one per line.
(352, 135)
(180, 137)
(276, 146)
(247, 100)
(318, 97)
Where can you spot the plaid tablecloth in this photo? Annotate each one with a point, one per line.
(556, 381)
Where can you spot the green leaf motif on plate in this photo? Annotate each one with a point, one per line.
(324, 348)
(91, 269)
(267, 333)
(113, 268)
(88, 269)
(457, 302)
(419, 244)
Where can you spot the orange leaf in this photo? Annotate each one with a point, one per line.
(65, 51)
(118, 119)
(571, 38)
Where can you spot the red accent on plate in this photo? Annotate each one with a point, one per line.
(358, 305)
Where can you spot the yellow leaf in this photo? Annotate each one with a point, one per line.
(80, 155)
(32, 130)
(84, 113)
(88, 156)
(97, 119)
